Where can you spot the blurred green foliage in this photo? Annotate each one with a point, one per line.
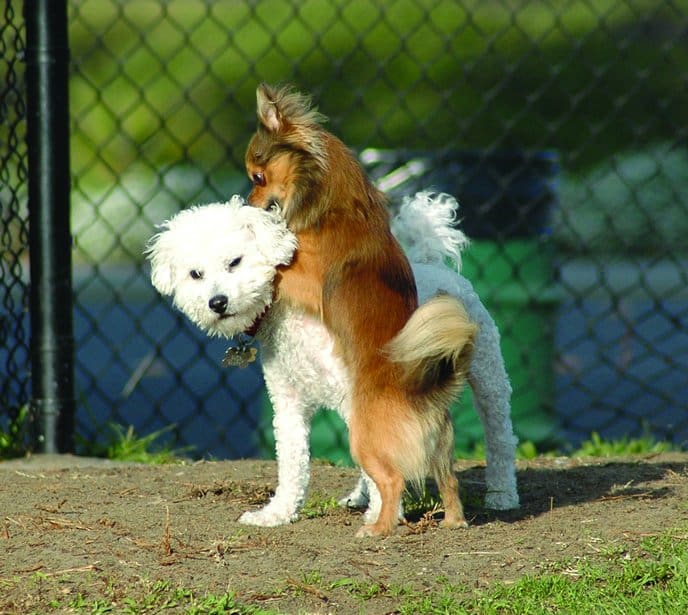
(636, 202)
(177, 78)
(162, 99)
(14, 433)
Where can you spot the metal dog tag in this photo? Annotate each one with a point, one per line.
(239, 356)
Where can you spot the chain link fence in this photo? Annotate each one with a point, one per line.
(15, 370)
(561, 127)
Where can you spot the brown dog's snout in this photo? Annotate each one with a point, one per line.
(271, 204)
(218, 304)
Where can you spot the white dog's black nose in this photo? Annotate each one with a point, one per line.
(218, 304)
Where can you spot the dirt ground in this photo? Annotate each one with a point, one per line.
(88, 529)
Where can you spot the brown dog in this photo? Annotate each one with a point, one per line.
(406, 363)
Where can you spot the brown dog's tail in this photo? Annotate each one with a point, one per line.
(434, 349)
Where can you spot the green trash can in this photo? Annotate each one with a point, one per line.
(514, 280)
(505, 200)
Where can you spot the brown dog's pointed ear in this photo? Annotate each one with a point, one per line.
(267, 110)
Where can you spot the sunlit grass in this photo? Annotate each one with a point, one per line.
(13, 436)
(649, 576)
(124, 444)
(596, 446)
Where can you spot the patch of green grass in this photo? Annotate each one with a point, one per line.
(426, 505)
(595, 446)
(93, 607)
(446, 599)
(318, 506)
(598, 447)
(525, 450)
(418, 504)
(124, 444)
(313, 582)
(159, 597)
(651, 579)
(365, 590)
(13, 436)
(633, 579)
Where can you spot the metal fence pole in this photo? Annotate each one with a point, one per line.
(52, 339)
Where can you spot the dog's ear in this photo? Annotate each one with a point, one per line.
(162, 269)
(267, 109)
(162, 278)
(285, 111)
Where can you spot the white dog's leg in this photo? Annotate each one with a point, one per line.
(492, 398)
(366, 493)
(292, 428)
(359, 497)
(374, 500)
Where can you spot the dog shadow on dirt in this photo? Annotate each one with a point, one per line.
(560, 483)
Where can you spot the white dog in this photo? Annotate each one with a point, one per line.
(218, 262)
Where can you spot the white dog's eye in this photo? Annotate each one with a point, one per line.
(235, 262)
(196, 274)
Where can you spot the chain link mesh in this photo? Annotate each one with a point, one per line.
(561, 127)
(14, 344)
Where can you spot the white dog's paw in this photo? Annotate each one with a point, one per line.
(501, 500)
(356, 499)
(270, 516)
(370, 515)
(359, 496)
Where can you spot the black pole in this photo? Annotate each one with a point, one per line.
(52, 339)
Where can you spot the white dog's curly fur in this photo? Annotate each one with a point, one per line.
(218, 262)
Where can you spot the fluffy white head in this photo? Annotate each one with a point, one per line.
(218, 263)
(426, 226)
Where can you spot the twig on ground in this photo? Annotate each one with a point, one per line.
(309, 589)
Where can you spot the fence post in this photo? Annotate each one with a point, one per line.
(52, 339)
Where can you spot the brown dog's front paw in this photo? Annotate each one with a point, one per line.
(374, 529)
(454, 523)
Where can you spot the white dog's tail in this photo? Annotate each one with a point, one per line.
(426, 228)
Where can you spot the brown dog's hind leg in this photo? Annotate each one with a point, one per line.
(390, 483)
(373, 448)
(447, 483)
(453, 510)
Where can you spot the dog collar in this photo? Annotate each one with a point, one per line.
(244, 352)
(253, 329)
